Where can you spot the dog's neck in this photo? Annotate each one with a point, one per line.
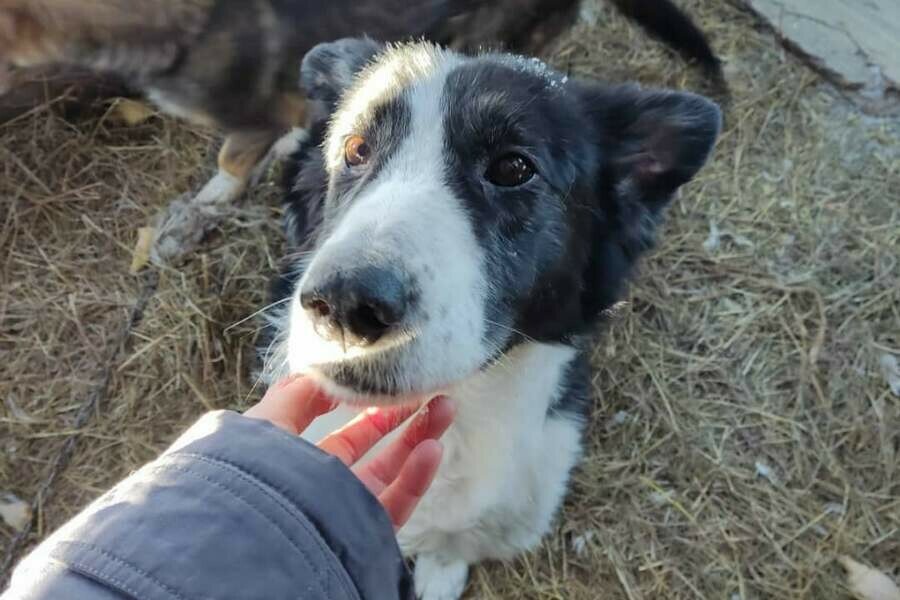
(512, 395)
(527, 378)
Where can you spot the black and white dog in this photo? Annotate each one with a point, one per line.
(457, 225)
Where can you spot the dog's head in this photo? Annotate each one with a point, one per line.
(473, 204)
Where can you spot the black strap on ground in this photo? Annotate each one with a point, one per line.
(95, 398)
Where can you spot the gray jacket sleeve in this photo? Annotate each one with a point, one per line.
(235, 509)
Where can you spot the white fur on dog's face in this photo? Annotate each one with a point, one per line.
(407, 217)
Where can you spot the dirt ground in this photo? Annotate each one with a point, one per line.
(744, 432)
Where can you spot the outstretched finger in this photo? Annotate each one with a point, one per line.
(430, 424)
(351, 442)
(292, 404)
(402, 496)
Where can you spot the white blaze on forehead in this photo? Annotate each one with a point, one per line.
(397, 69)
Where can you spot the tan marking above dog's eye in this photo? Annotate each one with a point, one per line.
(356, 151)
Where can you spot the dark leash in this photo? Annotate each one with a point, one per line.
(96, 397)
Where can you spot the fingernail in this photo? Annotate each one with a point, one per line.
(447, 400)
(439, 445)
(290, 379)
(383, 421)
(322, 396)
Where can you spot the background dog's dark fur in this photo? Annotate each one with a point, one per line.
(230, 62)
(530, 25)
(234, 63)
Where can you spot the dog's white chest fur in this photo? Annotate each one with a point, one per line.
(505, 467)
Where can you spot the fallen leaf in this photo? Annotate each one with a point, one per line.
(765, 471)
(620, 418)
(141, 255)
(580, 543)
(661, 497)
(15, 512)
(716, 235)
(868, 584)
(132, 112)
(712, 241)
(741, 240)
(835, 508)
(891, 371)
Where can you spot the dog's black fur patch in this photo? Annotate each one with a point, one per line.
(609, 160)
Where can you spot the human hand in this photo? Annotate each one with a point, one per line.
(401, 473)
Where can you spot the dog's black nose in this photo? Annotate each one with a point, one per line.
(356, 307)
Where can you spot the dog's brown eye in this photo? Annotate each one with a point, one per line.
(356, 151)
(510, 171)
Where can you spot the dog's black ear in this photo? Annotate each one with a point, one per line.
(329, 68)
(653, 141)
(648, 144)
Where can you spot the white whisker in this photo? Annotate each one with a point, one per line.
(527, 337)
(257, 313)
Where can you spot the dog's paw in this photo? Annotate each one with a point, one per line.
(179, 230)
(181, 227)
(438, 579)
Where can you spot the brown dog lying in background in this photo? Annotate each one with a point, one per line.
(234, 64)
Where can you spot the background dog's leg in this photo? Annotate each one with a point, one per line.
(243, 160)
(187, 220)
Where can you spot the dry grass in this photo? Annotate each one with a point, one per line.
(743, 436)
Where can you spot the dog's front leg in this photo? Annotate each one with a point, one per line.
(439, 577)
